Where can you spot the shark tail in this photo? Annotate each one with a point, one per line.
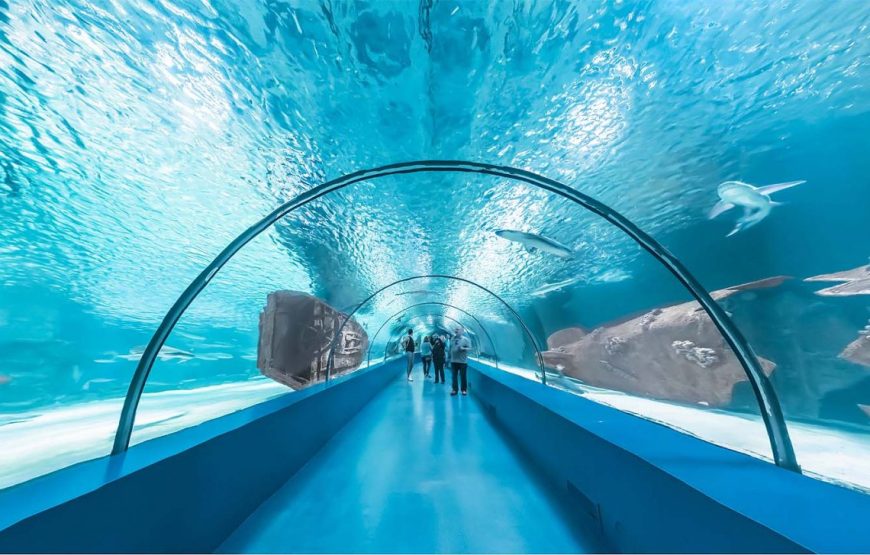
(748, 220)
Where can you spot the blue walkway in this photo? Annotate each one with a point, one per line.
(415, 471)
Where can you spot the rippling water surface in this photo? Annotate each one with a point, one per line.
(138, 138)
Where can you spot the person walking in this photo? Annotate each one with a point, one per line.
(409, 347)
(459, 347)
(426, 355)
(438, 359)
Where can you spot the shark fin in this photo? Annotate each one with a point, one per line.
(770, 189)
(737, 228)
(772, 203)
(719, 208)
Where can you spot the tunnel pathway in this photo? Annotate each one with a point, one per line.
(416, 470)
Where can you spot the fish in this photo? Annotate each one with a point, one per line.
(417, 292)
(166, 353)
(533, 242)
(550, 287)
(87, 384)
(4, 379)
(755, 201)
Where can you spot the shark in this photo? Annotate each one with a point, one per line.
(755, 201)
(534, 243)
(544, 290)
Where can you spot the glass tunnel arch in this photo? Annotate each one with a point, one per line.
(771, 410)
(539, 357)
(430, 303)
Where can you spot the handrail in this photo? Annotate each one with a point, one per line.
(427, 303)
(771, 410)
(528, 332)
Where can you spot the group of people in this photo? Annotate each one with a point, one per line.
(436, 350)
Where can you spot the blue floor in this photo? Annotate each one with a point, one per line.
(415, 471)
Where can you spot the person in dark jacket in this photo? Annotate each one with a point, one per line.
(459, 348)
(438, 350)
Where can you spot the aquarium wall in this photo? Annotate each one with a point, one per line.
(139, 138)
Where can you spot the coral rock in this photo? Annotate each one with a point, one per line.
(674, 353)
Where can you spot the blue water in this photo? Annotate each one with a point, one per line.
(138, 138)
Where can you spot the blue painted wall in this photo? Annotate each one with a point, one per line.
(648, 488)
(653, 489)
(185, 492)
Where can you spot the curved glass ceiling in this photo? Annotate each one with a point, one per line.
(138, 138)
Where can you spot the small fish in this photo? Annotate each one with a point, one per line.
(755, 201)
(416, 292)
(166, 353)
(87, 384)
(4, 379)
(533, 243)
(550, 287)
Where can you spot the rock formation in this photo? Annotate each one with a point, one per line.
(565, 337)
(852, 282)
(674, 353)
(296, 330)
(858, 351)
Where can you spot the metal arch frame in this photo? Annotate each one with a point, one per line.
(438, 303)
(430, 314)
(771, 410)
(365, 301)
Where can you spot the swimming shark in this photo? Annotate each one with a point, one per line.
(755, 201)
(550, 287)
(533, 242)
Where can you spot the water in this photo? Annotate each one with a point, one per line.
(138, 138)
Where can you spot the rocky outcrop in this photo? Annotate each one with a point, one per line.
(296, 330)
(565, 337)
(852, 282)
(674, 353)
(858, 351)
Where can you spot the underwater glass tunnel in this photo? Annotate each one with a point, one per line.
(649, 219)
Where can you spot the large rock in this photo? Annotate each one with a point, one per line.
(852, 282)
(296, 330)
(674, 353)
(566, 337)
(858, 351)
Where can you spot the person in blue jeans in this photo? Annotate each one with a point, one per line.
(426, 355)
(459, 347)
(409, 347)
